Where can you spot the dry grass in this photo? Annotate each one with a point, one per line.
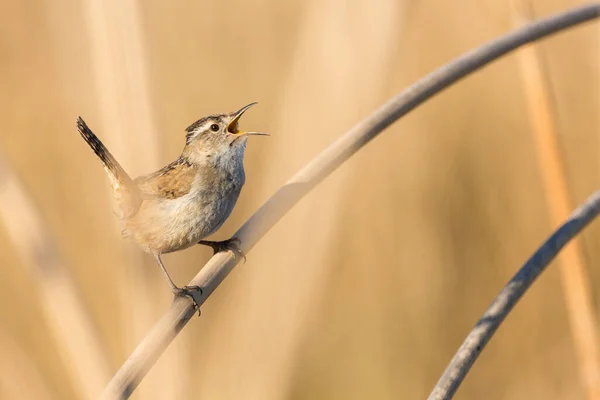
(50, 282)
(444, 205)
(19, 377)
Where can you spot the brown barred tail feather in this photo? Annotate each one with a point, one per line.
(124, 188)
(112, 165)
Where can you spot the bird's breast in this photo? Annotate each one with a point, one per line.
(169, 224)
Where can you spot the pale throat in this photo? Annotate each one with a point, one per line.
(225, 157)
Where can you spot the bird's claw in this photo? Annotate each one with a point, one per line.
(232, 245)
(189, 291)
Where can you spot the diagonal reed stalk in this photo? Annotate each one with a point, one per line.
(61, 305)
(575, 277)
(219, 266)
(511, 293)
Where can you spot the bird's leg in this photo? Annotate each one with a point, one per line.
(232, 245)
(177, 291)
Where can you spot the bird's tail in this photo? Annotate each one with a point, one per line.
(124, 188)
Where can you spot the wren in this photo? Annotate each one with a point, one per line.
(189, 199)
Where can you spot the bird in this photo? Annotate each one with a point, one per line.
(189, 199)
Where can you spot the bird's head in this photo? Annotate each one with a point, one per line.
(218, 134)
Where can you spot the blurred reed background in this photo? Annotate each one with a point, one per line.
(368, 286)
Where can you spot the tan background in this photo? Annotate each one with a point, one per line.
(364, 290)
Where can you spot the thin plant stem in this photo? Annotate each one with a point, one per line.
(511, 293)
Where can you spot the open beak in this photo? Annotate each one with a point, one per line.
(233, 125)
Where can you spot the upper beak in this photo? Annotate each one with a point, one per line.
(233, 125)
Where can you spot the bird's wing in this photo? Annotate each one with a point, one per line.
(173, 181)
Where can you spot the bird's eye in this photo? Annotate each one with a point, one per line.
(214, 127)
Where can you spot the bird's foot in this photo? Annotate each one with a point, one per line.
(189, 291)
(232, 245)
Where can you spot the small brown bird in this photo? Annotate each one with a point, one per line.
(189, 199)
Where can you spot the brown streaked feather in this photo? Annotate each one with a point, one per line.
(171, 182)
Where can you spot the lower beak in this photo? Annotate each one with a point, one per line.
(254, 134)
(233, 125)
